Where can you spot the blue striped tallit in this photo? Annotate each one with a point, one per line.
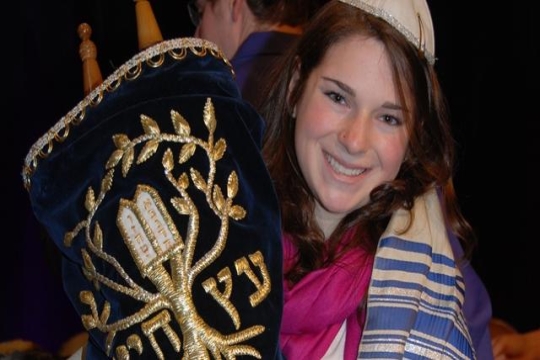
(416, 293)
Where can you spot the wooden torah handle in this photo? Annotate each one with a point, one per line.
(88, 53)
(148, 31)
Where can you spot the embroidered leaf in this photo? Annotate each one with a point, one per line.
(181, 126)
(198, 180)
(68, 238)
(237, 212)
(89, 322)
(114, 159)
(127, 161)
(168, 160)
(209, 116)
(105, 313)
(121, 141)
(183, 181)
(90, 200)
(90, 277)
(148, 150)
(149, 125)
(109, 341)
(180, 205)
(88, 264)
(187, 152)
(232, 185)
(107, 181)
(218, 198)
(98, 237)
(87, 298)
(219, 149)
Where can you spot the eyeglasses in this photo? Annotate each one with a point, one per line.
(194, 13)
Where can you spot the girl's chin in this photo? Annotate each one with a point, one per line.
(340, 207)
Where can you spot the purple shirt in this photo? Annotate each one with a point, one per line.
(256, 57)
(477, 307)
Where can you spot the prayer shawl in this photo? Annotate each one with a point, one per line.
(416, 294)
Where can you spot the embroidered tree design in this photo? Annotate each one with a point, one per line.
(152, 239)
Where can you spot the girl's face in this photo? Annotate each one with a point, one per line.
(350, 131)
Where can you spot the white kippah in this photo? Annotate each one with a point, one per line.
(412, 18)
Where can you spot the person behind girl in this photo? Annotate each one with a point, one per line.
(253, 34)
(359, 147)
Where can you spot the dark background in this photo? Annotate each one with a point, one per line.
(486, 57)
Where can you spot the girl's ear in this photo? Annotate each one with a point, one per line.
(236, 8)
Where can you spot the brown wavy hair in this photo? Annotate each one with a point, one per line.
(428, 164)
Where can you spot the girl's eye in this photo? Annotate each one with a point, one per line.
(336, 97)
(391, 120)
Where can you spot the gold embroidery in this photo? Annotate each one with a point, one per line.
(242, 266)
(222, 298)
(96, 100)
(61, 137)
(156, 61)
(178, 54)
(148, 229)
(161, 321)
(122, 353)
(131, 70)
(150, 234)
(133, 343)
(113, 85)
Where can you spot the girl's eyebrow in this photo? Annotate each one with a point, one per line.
(349, 90)
(392, 106)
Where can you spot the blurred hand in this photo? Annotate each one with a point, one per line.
(517, 346)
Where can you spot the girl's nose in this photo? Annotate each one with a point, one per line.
(355, 134)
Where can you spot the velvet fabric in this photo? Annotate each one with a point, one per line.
(155, 191)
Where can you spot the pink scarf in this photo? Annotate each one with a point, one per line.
(317, 306)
